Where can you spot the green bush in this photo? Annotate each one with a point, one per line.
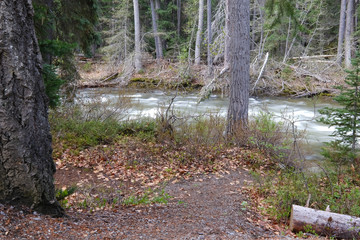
(340, 192)
(75, 130)
(272, 137)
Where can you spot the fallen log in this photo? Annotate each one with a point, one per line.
(324, 223)
(313, 57)
(110, 77)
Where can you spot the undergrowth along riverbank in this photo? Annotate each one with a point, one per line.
(296, 79)
(180, 146)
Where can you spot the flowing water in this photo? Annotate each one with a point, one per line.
(303, 112)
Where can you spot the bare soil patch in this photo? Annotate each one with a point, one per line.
(209, 206)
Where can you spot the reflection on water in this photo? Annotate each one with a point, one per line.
(147, 104)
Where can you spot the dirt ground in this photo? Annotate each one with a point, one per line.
(205, 207)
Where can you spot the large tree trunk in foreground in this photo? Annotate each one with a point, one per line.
(324, 223)
(26, 165)
(239, 60)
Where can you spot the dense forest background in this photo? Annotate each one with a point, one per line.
(194, 33)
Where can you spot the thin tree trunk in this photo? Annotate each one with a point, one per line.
(348, 32)
(178, 15)
(262, 42)
(239, 43)
(342, 23)
(253, 27)
(126, 32)
(227, 40)
(26, 165)
(209, 55)
(155, 30)
(138, 63)
(199, 33)
(157, 8)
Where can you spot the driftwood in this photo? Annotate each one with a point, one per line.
(262, 70)
(324, 223)
(110, 77)
(314, 93)
(304, 72)
(313, 57)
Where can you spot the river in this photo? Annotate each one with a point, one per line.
(303, 112)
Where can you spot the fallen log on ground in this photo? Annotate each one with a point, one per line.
(324, 223)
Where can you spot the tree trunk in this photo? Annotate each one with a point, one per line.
(324, 223)
(157, 7)
(178, 15)
(26, 165)
(155, 30)
(349, 32)
(209, 55)
(239, 59)
(342, 23)
(138, 63)
(227, 41)
(199, 33)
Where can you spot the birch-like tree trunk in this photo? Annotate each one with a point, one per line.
(349, 32)
(239, 59)
(342, 24)
(199, 33)
(209, 54)
(138, 63)
(26, 165)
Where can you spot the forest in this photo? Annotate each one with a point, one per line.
(179, 119)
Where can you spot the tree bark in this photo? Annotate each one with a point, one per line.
(239, 59)
(155, 30)
(324, 223)
(209, 55)
(342, 23)
(157, 7)
(138, 63)
(178, 15)
(349, 32)
(227, 41)
(199, 33)
(26, 165)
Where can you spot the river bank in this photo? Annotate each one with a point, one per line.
(299, 79)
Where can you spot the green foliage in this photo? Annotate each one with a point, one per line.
(340, 192)
(79, 131)
(270, 136)
(281, 8)
(148, 197)
(52, 84)
(347, 118)
(61, 26)
(61, 194)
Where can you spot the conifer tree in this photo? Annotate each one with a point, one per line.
(346, 119)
